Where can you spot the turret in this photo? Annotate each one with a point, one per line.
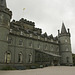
(65, 46)
(5, 16)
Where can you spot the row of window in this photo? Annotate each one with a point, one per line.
(20, 58)
(30, 44)
(31, 36)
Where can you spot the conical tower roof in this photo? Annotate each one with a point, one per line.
(3, 3)
(63, 29)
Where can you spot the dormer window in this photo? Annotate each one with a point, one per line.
(30, 35)
(10, 30)
(45, 39)
(38, 37)
(21, 33)
(51, 40)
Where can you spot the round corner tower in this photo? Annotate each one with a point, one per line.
(65, 46)
(5, 16)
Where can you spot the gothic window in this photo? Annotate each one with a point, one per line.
(7, 57)
(9, 40)
(30, 58)
(21, 42)
(20, 57)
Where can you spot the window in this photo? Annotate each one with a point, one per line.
(38, 37)
(38, 46)
(10, 30)
(7, 57)
(30, 58)
(30, 44)
(20, 42)
(45, 47)
(9, 40)
(20, 57)
(45, 39)
(67, 58)
(66, 49)
(30, 35)
(21, 33)
(51, 48)
(51, 40)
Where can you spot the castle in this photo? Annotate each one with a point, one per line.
(21, 43)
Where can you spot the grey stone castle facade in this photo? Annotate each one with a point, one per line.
(21, 43)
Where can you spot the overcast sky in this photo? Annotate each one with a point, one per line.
(47, 14)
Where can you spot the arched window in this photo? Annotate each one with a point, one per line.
(20, 57)
(30, 58)
(7, 57)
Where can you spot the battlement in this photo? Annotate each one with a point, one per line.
(5, 10)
